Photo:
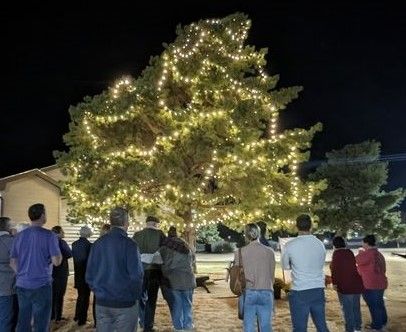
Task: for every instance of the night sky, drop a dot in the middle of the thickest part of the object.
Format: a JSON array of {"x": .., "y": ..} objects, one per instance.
[{"x": 350, "y": 58}]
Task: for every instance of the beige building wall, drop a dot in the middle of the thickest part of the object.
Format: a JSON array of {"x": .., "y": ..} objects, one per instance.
[
  {"x": 54, "y": 172},
  {"x": 21, "y": 193}
]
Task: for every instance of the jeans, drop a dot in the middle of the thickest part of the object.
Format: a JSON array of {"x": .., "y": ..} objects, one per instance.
[
  {"x": 150, "y": 287},
  {"x": 182, "y": 309},
  {"x": 35, "y": 303},
  {"x": 350, "y": 304},
  {"x": 305, "y": 302},
  {"x": 82, "y": 304},
  {"x": 58, "y": 293},
  {"x": 258, "y": 304},
  {"x": 8, "y": 313},
  {"x": 376, "y": 306},
  {"x": 117, "y": 319}
]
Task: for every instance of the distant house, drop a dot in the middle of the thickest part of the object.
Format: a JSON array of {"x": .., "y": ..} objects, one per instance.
[{"x": 21, "y": 190}]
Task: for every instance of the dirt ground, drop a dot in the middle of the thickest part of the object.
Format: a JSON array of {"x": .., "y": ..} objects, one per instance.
[{"x": 217, "y": 311}]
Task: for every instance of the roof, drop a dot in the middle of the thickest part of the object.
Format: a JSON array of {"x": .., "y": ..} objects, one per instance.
[{"x": 33, "y": 172}]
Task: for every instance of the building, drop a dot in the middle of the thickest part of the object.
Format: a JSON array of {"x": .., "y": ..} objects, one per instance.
[{"x": 19, "y": 191}]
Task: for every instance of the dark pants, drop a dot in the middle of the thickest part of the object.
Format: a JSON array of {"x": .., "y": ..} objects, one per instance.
[
  {"x": 58, "y": 292},
  {"x": 150, "y": 287},
  {"x": 305, "y": 302},
  {"x": 8, "y": 313},
  {"x": 350, "y": 304},
  {"x": 36, "y": 304},
  {"x": 82, "y": 304},
  {"x": 376, "y": 306}
]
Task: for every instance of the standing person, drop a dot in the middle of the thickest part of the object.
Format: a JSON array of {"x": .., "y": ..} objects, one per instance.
[
  {"x": 80, "y": 253},
  {"x": 262, "y": 239},
  {"x": 348, "y": 284},
  {"x": 177, "y": 268},
  {"x": 305, "y": 257},
  {"x": 33, "y": 253},
  {"x": 149, "y": 241},
  {"x": 8, "y": 297},
  {"x": 258, "y": 262},
  {"x": 60, "y": 276},
  {"x": 372, "y": 268},
  {"x": 114, "y": 273}
]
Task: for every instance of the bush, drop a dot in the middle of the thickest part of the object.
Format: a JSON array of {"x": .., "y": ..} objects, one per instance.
[{"x": 223, "y": 247}]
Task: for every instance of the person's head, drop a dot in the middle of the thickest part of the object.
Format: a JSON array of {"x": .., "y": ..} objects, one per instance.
[
  {"x": 172, "y": 232},
  {"x": 303, "y": 223},
  {"x": 262, "y": 226},
  {"x": 119, "y": 218},
  {"x": 58, "y": 231},
  {"x": 85, "y": 231},
  {"x": 369, "y": 241},
  {"x": 5, "y": 224},
  {"x": 339, "y": 242},
  {"x": 104, "y": 229},
  {"x": 152, "y": 221},
  {"x": 37, "y": 213},
  {"x": 252, "y": 232}
]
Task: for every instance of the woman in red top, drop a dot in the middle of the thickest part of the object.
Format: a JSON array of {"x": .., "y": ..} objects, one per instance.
[
  {"x": 348, "y": 284},
  {"x": 372, "y": 268}
]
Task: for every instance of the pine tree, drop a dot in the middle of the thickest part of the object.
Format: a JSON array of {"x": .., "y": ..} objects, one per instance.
[
  {"x": 194, "y": 138},
  {"x": 354, "y": 199}
]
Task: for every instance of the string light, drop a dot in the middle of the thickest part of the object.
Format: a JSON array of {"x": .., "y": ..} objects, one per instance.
[{"x": 172, "y": 110}]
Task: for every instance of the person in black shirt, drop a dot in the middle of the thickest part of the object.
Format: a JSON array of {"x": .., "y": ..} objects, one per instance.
[
  {"x": 60, "y": 276},
  {"x": 80, "y": 252}
]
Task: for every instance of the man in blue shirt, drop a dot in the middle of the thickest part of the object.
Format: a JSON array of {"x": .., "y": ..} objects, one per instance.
[
  {"x": 8, "y": 297},
  {"x": 33, "y": 253},
  {"x": 115, "y": 274}
]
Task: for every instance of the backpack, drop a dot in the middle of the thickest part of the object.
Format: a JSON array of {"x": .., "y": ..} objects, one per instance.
[{"x": 237, "y": 276}]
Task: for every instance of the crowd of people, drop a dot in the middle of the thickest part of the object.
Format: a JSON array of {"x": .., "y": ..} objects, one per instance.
[
  {"x": 305, "y": 256},
  {"x": 126, "y": 274}
]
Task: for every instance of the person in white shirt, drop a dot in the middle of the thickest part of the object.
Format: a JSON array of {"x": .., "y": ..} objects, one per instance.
[{"x": 305, "y": 257}]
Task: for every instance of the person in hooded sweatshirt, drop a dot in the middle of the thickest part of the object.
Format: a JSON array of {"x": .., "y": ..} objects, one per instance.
[{"x": 177, "y": 269}]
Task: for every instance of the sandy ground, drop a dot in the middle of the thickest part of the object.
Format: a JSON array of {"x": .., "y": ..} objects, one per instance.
[{"x": 217, "y": 311}]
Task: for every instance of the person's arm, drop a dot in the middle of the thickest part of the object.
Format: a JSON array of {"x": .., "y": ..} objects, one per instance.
[
  {"x": 14, "y": 255},
  {"x": 285, "y": 260},
  {"x": 134, "y": 266},
  {"x": 91, "y": 266},
  {"x": 13, "y": 264},
  {"x": 333, "y": 269},
  {"x": 54, "y": 250},
  {"x": 65, "y": 250},
  {"x": 273, "y": 264}
]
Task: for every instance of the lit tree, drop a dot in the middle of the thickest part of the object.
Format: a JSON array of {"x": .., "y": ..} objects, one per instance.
[
  {"x": 194, "y": 139},
  {"x": 354, "y": 199}
]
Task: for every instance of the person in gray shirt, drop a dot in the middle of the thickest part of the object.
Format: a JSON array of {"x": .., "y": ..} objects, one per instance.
[
  {"x": 8, "y": 297},
  {"x": 305, "y": 257}
]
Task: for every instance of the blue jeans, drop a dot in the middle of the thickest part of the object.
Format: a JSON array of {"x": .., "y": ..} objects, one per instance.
[
  {"x": 376, "y": 306},
  {"x": 8, "y": 313},
  {"x": 117, "y": 319},
  {"x": 305, "y": 302},
  {"x": 350, "y": 304},
  {"x": 258, "y": 305},
  {"x": 182, "y": 309},
  {"x": 35, "y": 303}
]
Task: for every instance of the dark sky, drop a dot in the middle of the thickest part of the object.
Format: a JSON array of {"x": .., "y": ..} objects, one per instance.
[{"x": 350, "y": 58}]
